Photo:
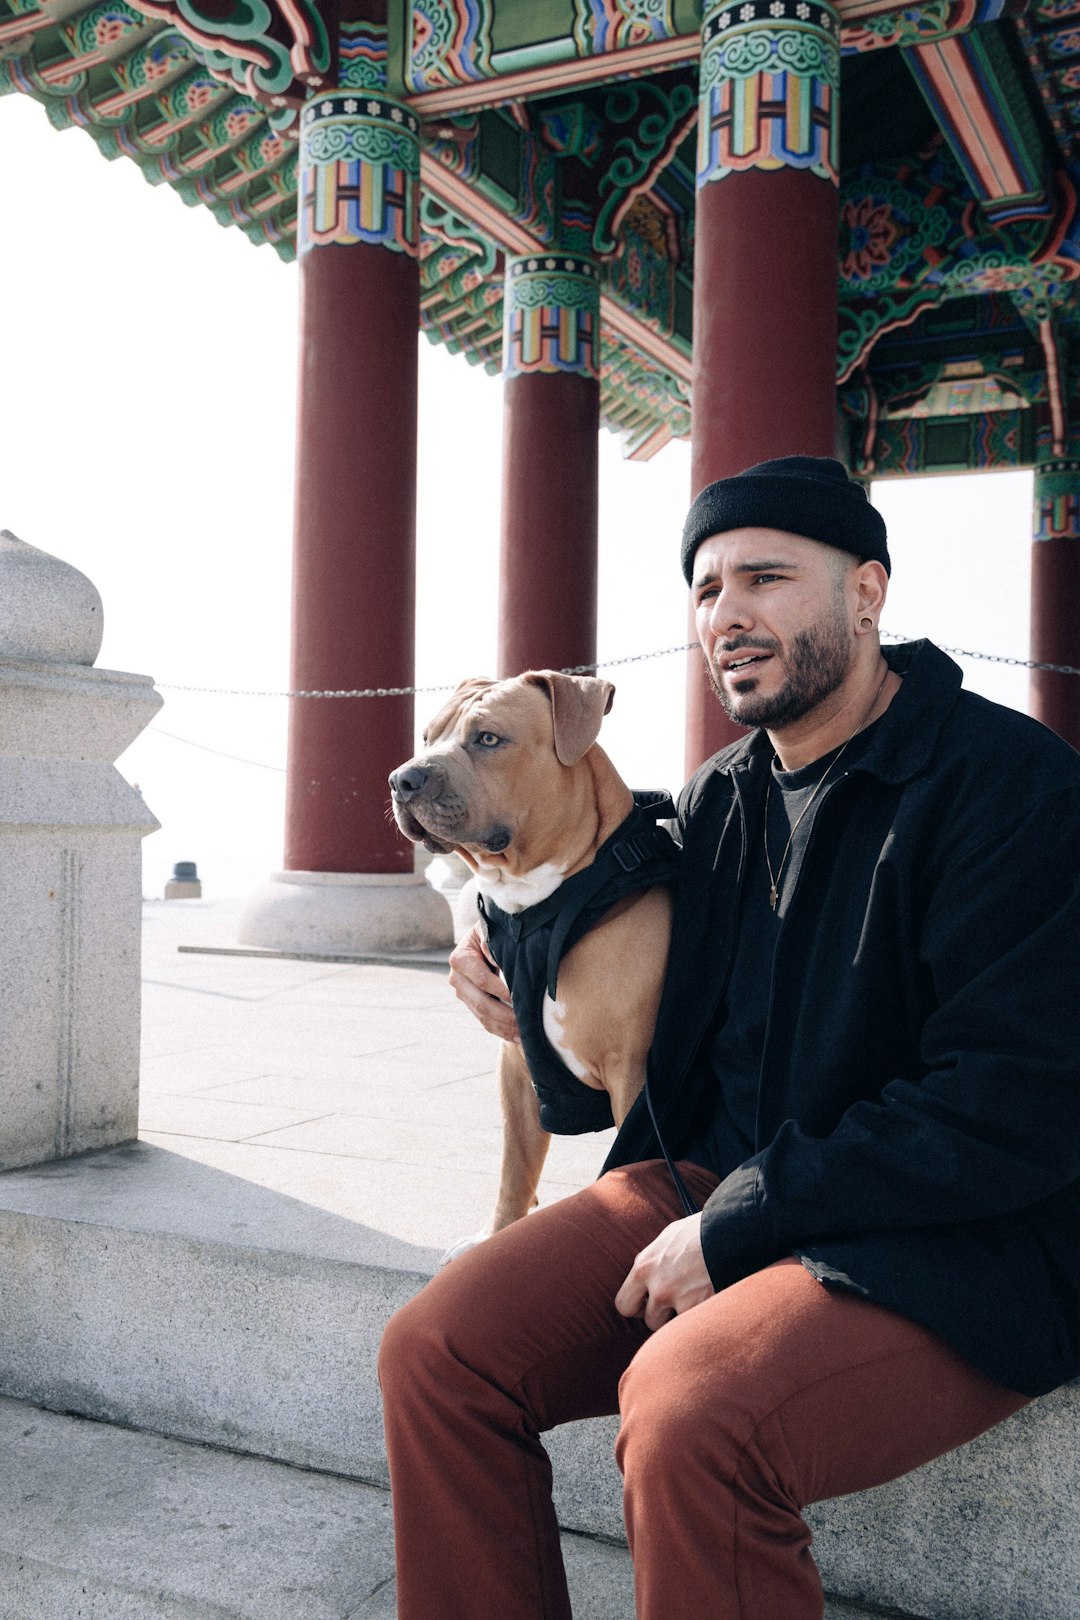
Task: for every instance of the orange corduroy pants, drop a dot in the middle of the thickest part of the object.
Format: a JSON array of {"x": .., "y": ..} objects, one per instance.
[{"x": 774, "y": 1393}]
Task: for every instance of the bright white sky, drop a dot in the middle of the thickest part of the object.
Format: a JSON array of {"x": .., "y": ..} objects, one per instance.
[{"x": 146, "y": 436}]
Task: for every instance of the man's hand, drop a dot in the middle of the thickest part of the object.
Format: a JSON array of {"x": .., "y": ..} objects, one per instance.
[
  {"x": 477, "y": 982},
  {"x": 669, "y": 1277}
]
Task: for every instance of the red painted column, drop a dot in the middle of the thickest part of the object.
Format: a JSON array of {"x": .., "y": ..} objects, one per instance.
[
  {"x": 547, "y": 579},
  {"x": 1055, "y": 598},
  {"x": 354, "y": 564},
  {"x": 765, "y": 261}
]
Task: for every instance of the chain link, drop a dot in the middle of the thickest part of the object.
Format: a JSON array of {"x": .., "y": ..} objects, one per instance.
[
  {"x": 995, "y": 658},
  {"x": 574, "y": 669},
  {"x": 587, "y": 669},
  {"x": 417, "y": 691}
]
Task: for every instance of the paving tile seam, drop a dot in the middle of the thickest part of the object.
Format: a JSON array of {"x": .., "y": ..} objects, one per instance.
[
  {"x": 337, "y": 1111},
  {"x": 176, "y": 1052},
  {"x": 323, "y": 1153},
  {"x": 235, "y": 1102},
  {"x": 240, "y": 1141},
  {"x": 456, "y": 1128},
  {"x": 480, "y": 1074},
  {"x": 378, "y": 1051},
  {"x": 236, "y": 1080},
  {"x": 360, "y": 1115},
  {"x": 310, "y": 979},
  {"x": 201, "y": 990},
  {"x": 553, "y": 1177},
  {"x": 290, "y": 1077}
]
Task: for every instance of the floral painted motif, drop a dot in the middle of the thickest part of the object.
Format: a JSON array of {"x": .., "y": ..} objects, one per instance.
[{"x": 868, "y": 238}]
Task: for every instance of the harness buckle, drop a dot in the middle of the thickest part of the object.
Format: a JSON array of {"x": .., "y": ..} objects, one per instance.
[{"x": 631, "y": 853}]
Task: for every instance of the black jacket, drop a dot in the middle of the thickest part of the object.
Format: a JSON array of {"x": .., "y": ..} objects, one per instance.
[{"x": 918, "y": 1122}]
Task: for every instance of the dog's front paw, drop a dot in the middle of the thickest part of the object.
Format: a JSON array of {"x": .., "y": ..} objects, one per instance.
[
  {"x": 463, "y": 1245},
  {"x": 502, "y": 1217}
]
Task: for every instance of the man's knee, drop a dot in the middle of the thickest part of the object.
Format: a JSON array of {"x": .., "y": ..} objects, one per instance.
[
  {"x": 413, "y": 1349},
  {"x": 446, "y": 1325},
  {"x": 664, "y": 1424}
]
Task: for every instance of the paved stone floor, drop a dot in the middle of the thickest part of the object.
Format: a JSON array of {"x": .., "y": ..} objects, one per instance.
[{"x": 363, "y": 1089}]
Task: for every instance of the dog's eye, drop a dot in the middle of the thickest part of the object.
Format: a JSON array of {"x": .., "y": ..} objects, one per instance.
[{"x": 487, "y": 739}]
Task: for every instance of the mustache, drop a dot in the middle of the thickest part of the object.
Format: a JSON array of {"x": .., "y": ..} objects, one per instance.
[{"x": 746, "y": 644}]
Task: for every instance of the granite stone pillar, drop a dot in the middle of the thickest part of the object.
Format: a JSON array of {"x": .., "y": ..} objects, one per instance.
[{"x": 70, "y": 868}]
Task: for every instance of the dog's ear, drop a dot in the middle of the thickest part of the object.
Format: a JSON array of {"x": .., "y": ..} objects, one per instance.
[
  {"x": 578, "y": 704},
  {"x": 452, "y": 708}
]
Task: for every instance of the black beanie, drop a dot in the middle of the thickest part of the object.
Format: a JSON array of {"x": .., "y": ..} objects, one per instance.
[{"x": 806, "y": 495}]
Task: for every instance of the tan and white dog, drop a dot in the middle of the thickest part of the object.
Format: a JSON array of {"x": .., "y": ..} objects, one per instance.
[{"x": 512, "y": 778}]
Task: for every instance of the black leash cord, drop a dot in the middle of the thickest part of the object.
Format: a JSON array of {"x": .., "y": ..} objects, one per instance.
[{"x": 680, "y": 1186}]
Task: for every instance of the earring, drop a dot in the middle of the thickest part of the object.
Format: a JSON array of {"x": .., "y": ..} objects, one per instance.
[{"x": 866, "y": 622}]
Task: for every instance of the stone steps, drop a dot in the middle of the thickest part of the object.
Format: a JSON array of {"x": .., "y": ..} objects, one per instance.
[
  {"x": 103, "y": 1523},
  {"x": 142, "y": 1288}
]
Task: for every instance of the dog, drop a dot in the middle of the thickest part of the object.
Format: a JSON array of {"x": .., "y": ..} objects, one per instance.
[{"x": 574, "y": 878}]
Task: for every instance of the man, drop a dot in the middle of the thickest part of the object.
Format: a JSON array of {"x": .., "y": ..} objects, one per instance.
[{"x": 867, "y": 1067}]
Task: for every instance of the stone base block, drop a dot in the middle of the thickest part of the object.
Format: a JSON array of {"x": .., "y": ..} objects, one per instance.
[
  {"x": 346, "y": 911},
  {"x": 69, "y": 953},
  {"x": 183, "y": 889}
]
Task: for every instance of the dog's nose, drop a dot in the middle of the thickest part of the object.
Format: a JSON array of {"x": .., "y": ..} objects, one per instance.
[{"x": 408, "y": 781}]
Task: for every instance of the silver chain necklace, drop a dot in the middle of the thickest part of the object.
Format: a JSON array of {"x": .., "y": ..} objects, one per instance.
[{"x": 774, "y": 877}]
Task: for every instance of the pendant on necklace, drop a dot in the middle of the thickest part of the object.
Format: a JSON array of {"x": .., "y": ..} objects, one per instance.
[{"x": 772, "y": 897}]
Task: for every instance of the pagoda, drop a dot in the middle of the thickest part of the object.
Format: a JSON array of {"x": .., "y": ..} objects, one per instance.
[{"x": 834, "y": 227}]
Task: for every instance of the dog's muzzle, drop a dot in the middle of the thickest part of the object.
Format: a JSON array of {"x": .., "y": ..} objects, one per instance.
[{"x": 407, "y": 782}]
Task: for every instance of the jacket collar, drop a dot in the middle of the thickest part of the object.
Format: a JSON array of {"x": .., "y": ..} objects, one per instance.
[{"x": 907, "y": 733}]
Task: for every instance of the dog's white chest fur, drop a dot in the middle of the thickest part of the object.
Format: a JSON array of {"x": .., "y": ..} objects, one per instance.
[
  {"x": 515, "y": 894},
  {"x": 553, "y": 1014}
]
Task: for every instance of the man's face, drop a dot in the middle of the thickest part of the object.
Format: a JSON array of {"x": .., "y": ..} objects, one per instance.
[{"x": 774, "y": 623}]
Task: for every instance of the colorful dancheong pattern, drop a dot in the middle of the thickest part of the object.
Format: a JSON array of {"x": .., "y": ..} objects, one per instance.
[
  {"x": 359, "y": 173},
  {"x": 449, "y": 43},
  {"x": 551, "y": 315},
  {"x": 769, "y": 88},
  {"x": 1057, "y": 503},
  {"x": 362, "y": 56},
  {"x": 613, "y": 25}
]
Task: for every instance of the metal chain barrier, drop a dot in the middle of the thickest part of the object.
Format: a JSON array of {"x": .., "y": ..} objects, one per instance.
[
  {"x": 995, "y": 658},
  {"x": 587, "y": 669},
  {"x": 574, "y": 669}
]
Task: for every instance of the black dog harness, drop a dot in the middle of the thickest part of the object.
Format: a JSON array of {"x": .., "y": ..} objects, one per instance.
[{"x": 529, "y": 945}]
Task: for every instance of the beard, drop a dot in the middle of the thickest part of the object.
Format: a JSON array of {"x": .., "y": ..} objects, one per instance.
[{"x": 817, "y": 659}]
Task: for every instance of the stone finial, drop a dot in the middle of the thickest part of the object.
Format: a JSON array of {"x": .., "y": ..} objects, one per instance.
[{"x": 49, "y": 612}]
